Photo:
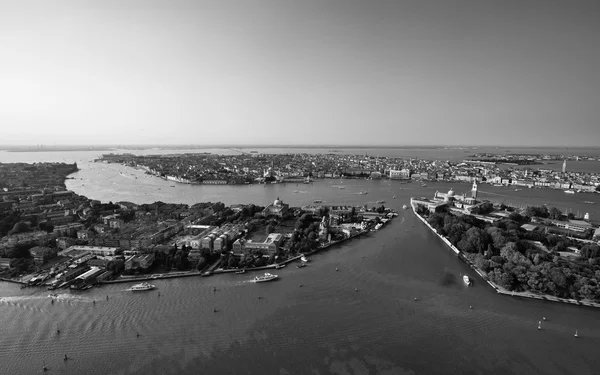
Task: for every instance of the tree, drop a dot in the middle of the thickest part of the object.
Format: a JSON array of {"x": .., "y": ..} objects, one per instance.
[
  {"x": 514, "y": 216},
  {"x": 554, "y": 213},
  {"x": 20, "y": 227},
  {"x": 233, "y": 262}
]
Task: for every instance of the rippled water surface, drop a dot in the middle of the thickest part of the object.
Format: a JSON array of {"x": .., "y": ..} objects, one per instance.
[{"x": 362, "y": 319}]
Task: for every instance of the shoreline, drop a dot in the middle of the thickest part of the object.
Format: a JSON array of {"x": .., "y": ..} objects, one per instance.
[
  {"x": 496, "y": 287},
  {"x": 222, "y": 271}
]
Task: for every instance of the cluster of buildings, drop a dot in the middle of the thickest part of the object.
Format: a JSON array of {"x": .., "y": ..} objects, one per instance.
[
  {"x": 467, "y": 204},
  {"x": 252, "y": 168}
]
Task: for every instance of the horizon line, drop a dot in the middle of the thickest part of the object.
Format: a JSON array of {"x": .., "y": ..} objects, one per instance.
[{"x": 324, "y": 145}]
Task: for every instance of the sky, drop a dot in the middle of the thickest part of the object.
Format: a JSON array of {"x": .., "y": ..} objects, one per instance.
[{"x": 279, "y": 72}]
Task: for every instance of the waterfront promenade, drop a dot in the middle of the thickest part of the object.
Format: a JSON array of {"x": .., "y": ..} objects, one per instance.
[{"x": 499, "y": 289}]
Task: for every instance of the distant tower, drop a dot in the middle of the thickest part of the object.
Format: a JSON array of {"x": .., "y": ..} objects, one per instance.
[
  {"x": 474, "y": 190},
  {"x": 564, "y": 168}
]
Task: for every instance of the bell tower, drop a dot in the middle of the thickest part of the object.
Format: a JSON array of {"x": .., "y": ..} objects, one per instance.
[{"x": 474, "y": 190}]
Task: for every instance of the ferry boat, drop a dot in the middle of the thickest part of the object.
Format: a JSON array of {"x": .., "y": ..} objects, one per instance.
[
  {"x": 266, "y": 277},
  {"x": 467, "y": 280},
  {"x": 141, "y": 287},
  {"x": 570, "y": 191}
]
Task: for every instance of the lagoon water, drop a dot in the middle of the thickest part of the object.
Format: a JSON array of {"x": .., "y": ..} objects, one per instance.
[{"x": 323, "y": 327}]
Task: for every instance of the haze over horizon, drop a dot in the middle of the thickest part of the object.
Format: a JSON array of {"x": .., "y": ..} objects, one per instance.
[{"x": 280, "y": 72}]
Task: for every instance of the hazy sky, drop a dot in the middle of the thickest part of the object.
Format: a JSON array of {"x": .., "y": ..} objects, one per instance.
[{"x": 300, "y": 72}]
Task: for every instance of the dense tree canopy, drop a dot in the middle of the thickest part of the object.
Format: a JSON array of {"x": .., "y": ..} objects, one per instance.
[{"x": 520, "y": 260}]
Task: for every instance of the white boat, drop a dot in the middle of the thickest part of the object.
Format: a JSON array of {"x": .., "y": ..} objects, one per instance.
[
  {"x": 279, "y": 266},
  {"x": 570, "y": 191},
  {"x": 141, "y": 287},
  {"x": 304, "y": 259},
  {"x": 576, "y": 335},
  {"x": 467, "y": 280},
  {"x": 241, "y": 271},
  {"x": 266, "y": 277},
  {"x": 404, "y": 206}
]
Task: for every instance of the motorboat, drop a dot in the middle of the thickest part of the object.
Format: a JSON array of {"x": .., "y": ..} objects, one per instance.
[
  {"x": 467, "y": 280},
  {"x": 267, "y": 277},
  {"x": 141, "y": 287}
]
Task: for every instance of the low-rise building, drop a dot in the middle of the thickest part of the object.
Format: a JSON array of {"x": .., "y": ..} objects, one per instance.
[
  {"x": 94, "y": 250},
  {"x": 139, "y": 262},
  {"x": 269, "y": 246}
]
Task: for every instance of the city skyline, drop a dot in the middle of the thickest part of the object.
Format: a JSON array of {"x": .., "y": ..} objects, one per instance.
[{"x": 296, "y": 73}]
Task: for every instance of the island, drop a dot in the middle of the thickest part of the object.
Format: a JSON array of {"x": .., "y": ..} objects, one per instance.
[
  {"x": 52, "y": 237},
  {"x": 536, "y": 252},
  {"x": 251, "y": 168}
]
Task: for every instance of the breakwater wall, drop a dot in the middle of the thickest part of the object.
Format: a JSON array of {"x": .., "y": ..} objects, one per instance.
[{"x": 496, "y": 287}]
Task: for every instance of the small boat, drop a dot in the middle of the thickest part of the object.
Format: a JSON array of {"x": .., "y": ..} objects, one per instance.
[
  {"x": 404, "y": 207},
  {"x": 467, "y": 280},
  {"x": 589, "y": 202},
  {"x": 570, "y": 191},
  {"x": 267, "y": 277},
  {"x": 304, "y": 259},
  {"x": 540, "y": 324},
  {"x": 380, "y": 202},
  {"x": 279, "y": 266},
  {"x": 240, "y": 271},
  {"x": 576, "y": 334},
  {"x": 301, "y": 265},
  {"x": 141, "y": 287},
  {"x": 317, "y": 201},
  {"x": 394, "y": 197}
]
